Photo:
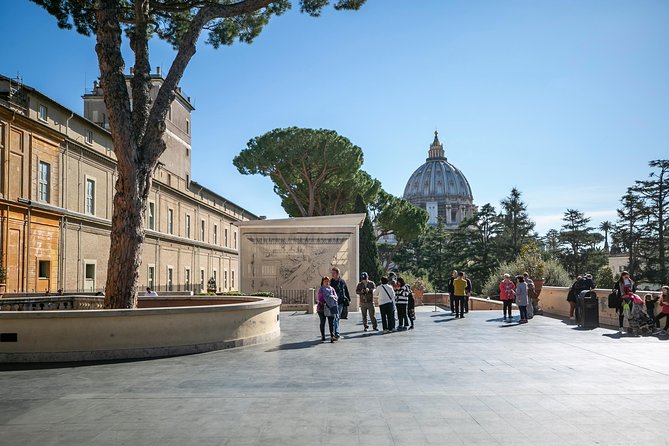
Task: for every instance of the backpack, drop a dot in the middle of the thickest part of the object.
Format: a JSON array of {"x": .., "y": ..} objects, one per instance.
[{"x": 614, "y": 300}]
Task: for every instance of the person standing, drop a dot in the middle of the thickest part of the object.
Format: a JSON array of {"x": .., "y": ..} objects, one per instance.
[
  {"x": 531, "y": 291},
  {"x": 664, "y": 311},
  {"x": 150, "y": 292},
  {"x": 365, "y": 290},
  {"x": 411, "y": 310},
  {"x": 507, "y": 292},
  {"x": 451, "y": 296},
  {"x": 327, "y": 307},
  {"x": 468, "y": 292},
  {"x": 522, "y": 298},
  {"x": 459, "y": 293},
  {"x": 386, "y": 296},
  {"x": 625, "y": 281},
  {"x": 402, "y": 302},
  {"x": 343, "y": 296}
]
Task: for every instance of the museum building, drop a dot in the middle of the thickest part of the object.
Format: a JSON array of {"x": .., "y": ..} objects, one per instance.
[{"x": 56, "y": 189}]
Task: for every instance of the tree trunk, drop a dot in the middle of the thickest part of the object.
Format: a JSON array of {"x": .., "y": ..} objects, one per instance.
[{"x": 127, "y": 236}]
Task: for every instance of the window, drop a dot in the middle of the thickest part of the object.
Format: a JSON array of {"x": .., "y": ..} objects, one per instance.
[
  {"x": 187, "y": 152},
  {"x": 89, "y": 137},
  {"x": 169, "y": 113},
  {"x": 232, "y": 279},
  {"x": 44, "y": 182},
  {"x": 150, "y": 282},
  {"x": 187, "y": 279},
  {"x": 202, "y": 279},
  {"x": 44, "y": 269},
  {"x": 170, "y": 221},
  {"x": 42, "y": 113},
  {"x": 225, "y": 279},
  {"x": 234, "y": 239},
  {"x": 170, "y": 276},
  {"x": 152, "y": 215},
  {"x": 187, "y": 226},
  {"x": 215, "y": 277},
  {"x": 187, "y": 127},
  {"x": 225, "y": 238},
  {"x": 215, "y": 234},
  {"x": 202, "y": 230},
  {"x": 90, "y": 197},
  {"x": 454, "y": 215}
]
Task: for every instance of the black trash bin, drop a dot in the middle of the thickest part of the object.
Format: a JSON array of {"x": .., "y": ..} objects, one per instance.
[{"x": 587, "y": 309}]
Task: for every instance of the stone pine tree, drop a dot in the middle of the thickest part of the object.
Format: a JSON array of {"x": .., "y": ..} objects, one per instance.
[
  {"x": 314, "y": 171},
  {"x": 137, "y": 121},
  {"x": 369, "y": 253}
]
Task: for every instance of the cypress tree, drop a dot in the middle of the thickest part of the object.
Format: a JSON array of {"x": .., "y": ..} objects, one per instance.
[{"x": 368, "y": 256}]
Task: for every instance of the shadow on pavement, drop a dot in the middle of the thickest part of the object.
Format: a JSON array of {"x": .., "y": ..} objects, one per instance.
[{"x": 296, "y": 345}]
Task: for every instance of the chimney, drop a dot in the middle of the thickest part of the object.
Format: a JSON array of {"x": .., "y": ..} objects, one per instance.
[{"x": 158, "y": 71}]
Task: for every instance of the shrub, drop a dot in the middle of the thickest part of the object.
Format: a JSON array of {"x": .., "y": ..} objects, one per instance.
[
  {"x": 554, "y": 275},
  {"x": 604, "y": 277},
  {"x": 416, "y": 281}
]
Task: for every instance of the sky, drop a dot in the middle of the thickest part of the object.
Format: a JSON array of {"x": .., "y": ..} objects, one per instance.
[{"x": 565, "y": 100}]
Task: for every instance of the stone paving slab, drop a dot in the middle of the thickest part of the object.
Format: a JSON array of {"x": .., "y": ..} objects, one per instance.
[{"x": 467, "y": 381}]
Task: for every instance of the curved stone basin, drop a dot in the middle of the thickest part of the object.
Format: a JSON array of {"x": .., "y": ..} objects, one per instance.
[{"x": 187, "y": 326}]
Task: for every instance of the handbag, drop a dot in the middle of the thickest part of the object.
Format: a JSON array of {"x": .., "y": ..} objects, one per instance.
[{"x": 614, "y": 300}]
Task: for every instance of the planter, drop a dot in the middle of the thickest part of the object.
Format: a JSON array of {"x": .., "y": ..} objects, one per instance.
[{"x": 418, "y": 296}]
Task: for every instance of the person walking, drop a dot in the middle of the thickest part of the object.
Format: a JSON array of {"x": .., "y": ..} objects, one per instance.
[
  {"x": 386, "y": 297},
  {"x": 531, "y": 293},
  {"x": 365, "y": 290},
  {"x": 327, "y": 307},
  {"x": 664, "y": 311},
  {"x": 507, "y": 293},
  {"x": 522, "y": 298},
  {"x": 402, "y": 303},
  {"x": 459, "y": 293},
  {"x": 343, "y": 296}
]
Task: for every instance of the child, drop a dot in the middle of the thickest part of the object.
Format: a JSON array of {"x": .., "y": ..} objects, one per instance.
[{"x": 664, "y": 310}]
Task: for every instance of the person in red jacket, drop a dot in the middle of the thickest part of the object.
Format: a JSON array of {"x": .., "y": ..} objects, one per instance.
[{"x": 507, "y": 294}]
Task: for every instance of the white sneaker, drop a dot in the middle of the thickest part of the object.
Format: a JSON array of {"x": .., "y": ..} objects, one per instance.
[{"x": 620, "y": 330}]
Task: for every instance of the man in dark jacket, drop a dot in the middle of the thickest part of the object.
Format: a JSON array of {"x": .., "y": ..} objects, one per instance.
[
  {"x": 343, "y": 296},
  {"x": 451, "y": 295}
]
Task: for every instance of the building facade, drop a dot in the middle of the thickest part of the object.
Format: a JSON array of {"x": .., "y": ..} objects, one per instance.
[{"x": 56, "y": 189}]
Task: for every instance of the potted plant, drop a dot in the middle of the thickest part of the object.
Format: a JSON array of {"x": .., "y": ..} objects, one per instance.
[{"x": 418, "y": 289}]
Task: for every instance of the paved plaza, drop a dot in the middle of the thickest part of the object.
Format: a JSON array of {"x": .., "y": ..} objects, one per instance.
[{"x": 450, "y": 381}]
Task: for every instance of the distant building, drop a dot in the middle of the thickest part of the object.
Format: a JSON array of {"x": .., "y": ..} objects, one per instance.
[
  {"x": 441, "y": 189},
  {"x": 56, "y": 189}
]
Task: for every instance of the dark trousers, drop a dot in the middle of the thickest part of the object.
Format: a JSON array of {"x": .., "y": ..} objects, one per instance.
[
  {"x": 451, "y": 298},
  {"x": 387, "y": 316},
  {"x": 650, "y": 309},
  {"x": 402, "y": 315},
  {"x": 465, "y": 301},
  {"x": 508, "y": 305},
  {"x": 523, "y": 312},
  {"x": 666, "y": 323},
  {"x": 459, "y": 305},
  {"x": 330, "y": 319}
]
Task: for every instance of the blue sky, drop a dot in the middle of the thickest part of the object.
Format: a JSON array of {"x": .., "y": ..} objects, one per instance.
[{"x": 565, "y": 100}]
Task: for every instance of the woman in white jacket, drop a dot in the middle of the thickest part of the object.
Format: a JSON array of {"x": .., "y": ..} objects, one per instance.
[{"x": 386, "y": 296}]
